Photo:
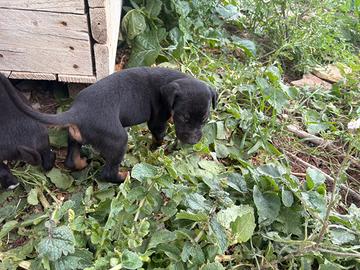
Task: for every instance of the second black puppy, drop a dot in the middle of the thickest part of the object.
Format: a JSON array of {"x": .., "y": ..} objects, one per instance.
[
  {"x": 21, "y": 137},
  {"x": 101, "y": 112}
]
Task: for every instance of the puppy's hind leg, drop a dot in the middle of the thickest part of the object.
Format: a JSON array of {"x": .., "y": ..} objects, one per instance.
[
  {"x": 7, "y": 180},
  {"x": 73, "y": 159},
  {"x": 113, "y": 150}
]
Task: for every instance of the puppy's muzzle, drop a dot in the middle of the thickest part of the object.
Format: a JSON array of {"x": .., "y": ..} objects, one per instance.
[{"x": 189, "y": 137}]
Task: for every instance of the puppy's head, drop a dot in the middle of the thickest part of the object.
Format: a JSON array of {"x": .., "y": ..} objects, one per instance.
[{"x": 190, "y": 101}]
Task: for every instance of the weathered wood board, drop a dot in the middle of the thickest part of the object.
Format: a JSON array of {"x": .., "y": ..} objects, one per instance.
[
  {"x": 32, "y": 76},
  {"x": 69, "y": 40},
  {"x": 5, "y": 72},
  {"x": 44, "y": 42},
  {"x": 63, "y": 6},
  {"x": 105, "y": 23}
]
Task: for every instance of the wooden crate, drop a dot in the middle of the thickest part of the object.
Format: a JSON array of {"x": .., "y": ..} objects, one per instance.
[{"x": 65, "y": 40}]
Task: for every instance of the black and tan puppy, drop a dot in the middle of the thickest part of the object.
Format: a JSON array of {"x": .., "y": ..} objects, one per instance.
[
  {"x": 101, "y": 112},
  {"x": 21, "y": 137}
]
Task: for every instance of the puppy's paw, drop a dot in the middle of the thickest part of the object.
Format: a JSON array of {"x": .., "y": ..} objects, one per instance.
[
  {"x": 122, "y": 176},
  {"x": 155, "y": 144},
  {"x": 13, "y": 186},
  {"x": 80, "y": 163}
]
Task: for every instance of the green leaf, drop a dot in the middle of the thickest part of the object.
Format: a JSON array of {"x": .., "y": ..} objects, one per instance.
[
  {"x": 197, "y": 202},
  {"x": 153, "y": 7},
  {"x": 211, "y": 166},
  {"x": 268, "y": 206},
  {"x": 237, "y": 182},
  {"x": 240, "y": 219},
  {"x": 228, "y": 12},
  {"x": 199, "y": 217},
  {"x": 60, "y": 179},
  {"x": 220, "y": 236},
  {"x": 287, "y": 197},
  {"x": 314, "y": 178},
  {"x": 330, "y": 266},
  {"x": 243, "y": 227},
  {"x": 340, "y": 236},
  {"x": 315, "y": 201},
  {"x": 291, "y": 220},
  {"x": 277, "y": 98},
  {"x": 143, "y": 171},
  {"x": 221, "y": 150},
  {"x": 160, "y": 237},
  {"x": 133, "y": 23},
  {"x": 314, "y": 123},
  {"x": 192, "y": 252},
  {"x": 220, "y": 131},
  {"x": 32, "y": 197},
  {"x": 7, "y": 227},
  {"x": 246, "y": 45},
  {"x": 58, "y": 137},
  {"x": 212, "y": 266},
  {"x": 145, "y": 50},
  {"x": 177, "y": 37},
  {"x": 79, "y": 260},
  {"x": 130, "y": 260},
  {"x": 59, "y": 242},
  {"x": 272, "y": 170},
  {"x": 273, "y": 73}
]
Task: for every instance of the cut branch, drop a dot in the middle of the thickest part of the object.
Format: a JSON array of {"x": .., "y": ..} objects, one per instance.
[
  {"x": 329, "y": 145},
  {"x": 328, "y": 177}
]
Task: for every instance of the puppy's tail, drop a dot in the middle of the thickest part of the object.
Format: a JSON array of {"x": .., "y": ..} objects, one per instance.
[{"x": 51, "y": 119}]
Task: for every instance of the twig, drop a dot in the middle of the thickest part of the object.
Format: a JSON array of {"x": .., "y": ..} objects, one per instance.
[
  {"x": 340, "y": 254},
  {"x": 298, "y": 174},
  {"x": 328, "y": 177},
  {"x": 329, "y": 145},
  {"x": 332, "y": 198},
  {"x": 44, "y": 202}
]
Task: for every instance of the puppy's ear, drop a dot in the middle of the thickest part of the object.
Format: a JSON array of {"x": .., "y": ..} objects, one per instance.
[
  {"x": 29, "y": 155},
  {"x": 169, "y": 92},
  {"x": 214, "y": 97}
]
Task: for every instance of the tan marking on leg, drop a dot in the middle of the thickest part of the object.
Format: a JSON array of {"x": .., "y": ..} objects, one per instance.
[
  {"x": 80, "y": 163},
  {"x": 75, "y": 133},
  {"x": 156, "y": 142},
  {"x": 123, "y": 175}
]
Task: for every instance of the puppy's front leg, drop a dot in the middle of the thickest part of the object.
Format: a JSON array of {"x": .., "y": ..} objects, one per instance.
[
  {"x": 7, "y": 180},
  {"x": 158, "y": 131}
]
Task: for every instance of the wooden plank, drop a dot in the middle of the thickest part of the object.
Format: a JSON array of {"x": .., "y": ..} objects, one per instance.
[
  {"x": 101, "y": 52},
  {"x": 63, "y": 6},
  {"x": 5, "y": 72},
  {"x": 113, "y": 31},
  {"x": 105, "y": 23},
  {"x": 76, "y": 79},
  {"x": 98, "y": 3},
  {"x": 44, "y": 42},
  {"x": 98, "y": 24},
  {"x": 32, "y": 76}
]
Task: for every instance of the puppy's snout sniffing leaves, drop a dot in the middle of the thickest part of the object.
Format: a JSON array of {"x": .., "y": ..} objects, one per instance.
[{"x": 101, "y": 113}]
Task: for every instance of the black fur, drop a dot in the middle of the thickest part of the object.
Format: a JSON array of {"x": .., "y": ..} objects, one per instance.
[
  {"x": 21, "y": 137},
  {"x": 130, "y": 97}
]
